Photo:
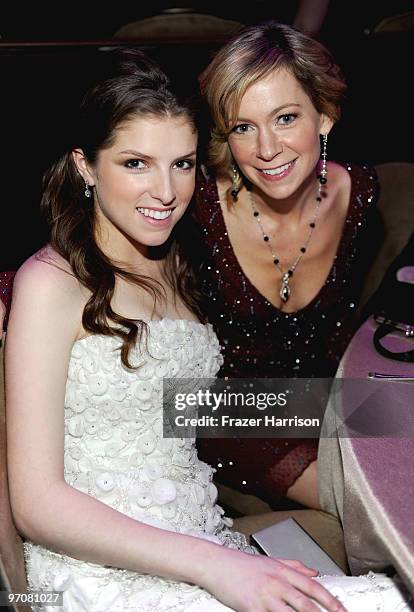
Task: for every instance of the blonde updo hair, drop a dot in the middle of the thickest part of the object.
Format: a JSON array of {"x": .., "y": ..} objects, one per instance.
[{"x": 252, "y": 55}]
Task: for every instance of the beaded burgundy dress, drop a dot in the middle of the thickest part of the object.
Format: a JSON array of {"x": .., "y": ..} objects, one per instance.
[{"x": 260, "y": 341}]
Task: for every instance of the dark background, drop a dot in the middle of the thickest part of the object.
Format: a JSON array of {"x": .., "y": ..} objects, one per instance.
[{"x": 46, "y": 57}]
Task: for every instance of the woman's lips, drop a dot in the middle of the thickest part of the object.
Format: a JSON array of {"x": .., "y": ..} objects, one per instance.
[
  {"x": 278, "y": 173},
  {"x": 150, "y": 216}
]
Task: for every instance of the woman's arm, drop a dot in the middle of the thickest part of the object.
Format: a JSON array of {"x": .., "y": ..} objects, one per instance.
[{"x": 45, "y": 321}]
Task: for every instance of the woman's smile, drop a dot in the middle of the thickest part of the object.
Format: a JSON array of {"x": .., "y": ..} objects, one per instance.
[
  {"x": 278, "y": 173},
  {"x": 156, "y": 217}
]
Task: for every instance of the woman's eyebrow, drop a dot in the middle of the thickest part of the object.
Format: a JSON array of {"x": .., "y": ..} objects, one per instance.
[
  {"x": 145, "y": 156},
  {"x": 273, "y": 111},
  {"x": 136, "y": 153}
]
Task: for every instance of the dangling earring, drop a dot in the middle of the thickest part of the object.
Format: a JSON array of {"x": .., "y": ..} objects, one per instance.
[
  {"x": 322, "y": 176},
  {"x": 235, "y": 183},
  {"x": 88, "y": 190}
]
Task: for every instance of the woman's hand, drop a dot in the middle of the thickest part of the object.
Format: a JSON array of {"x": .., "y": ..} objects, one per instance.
[{"x": 250, "y": 583}]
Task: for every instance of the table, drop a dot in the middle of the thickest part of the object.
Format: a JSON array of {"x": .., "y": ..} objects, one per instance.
[{"x": 368, "y": 482}]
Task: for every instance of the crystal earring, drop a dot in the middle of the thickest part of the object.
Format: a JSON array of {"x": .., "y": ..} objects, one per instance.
[
  {"x": 88, "y": 190},
  {"x": 322, "y": 176},
  {"x": 235, "y": 183}
]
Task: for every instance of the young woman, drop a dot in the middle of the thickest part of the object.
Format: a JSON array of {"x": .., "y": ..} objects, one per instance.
[
  {"x": 114, "y": 515},
  {"x": 282, "y": 229}
]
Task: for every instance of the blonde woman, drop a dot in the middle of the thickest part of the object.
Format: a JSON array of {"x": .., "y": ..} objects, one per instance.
[{"x": 282, "y": 231}]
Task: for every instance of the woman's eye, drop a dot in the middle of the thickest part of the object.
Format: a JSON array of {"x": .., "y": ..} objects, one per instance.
[
  {"x": 242, "y": 128},
  {"x": 287, "y": 118},
  {"x": 184, "y": 164},
  {"x": 135, "y": 164}
]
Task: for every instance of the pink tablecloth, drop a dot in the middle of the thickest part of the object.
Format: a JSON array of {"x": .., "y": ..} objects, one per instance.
[{"x": 369, "y": 481}]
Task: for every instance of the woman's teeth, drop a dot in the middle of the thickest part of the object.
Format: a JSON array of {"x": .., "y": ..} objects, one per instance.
[
  {"x": 155, "y": 214},
  {"x": 279, "y": 170}
]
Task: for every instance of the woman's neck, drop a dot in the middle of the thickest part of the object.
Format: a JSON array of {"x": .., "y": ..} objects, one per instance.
[
  {"x": 127, "y": 253},
  {"x": 291, "y": 208}
]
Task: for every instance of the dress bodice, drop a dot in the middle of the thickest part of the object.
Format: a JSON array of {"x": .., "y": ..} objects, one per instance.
[{"x": 114, "y": 444}]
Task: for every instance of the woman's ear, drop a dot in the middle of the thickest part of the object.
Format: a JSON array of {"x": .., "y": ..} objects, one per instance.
[
  {"x": 83, "y": 167},
  {"x": 326, "y": 124}
]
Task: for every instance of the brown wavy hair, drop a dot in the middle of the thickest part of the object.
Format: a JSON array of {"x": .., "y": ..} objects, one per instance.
[
  {"x": 253, "y": 54},
  {"x": 128, "y": 84}
]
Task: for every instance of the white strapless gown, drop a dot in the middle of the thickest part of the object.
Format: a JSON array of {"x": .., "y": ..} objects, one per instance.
[{"x": 115, "y": 451}]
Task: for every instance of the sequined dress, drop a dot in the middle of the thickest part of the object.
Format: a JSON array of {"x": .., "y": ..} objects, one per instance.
[
  {"x": 260, "y": 341},
  {"x": 115, "y": 451}
]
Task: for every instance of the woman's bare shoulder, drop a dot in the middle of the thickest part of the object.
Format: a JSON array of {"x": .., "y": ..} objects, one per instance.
[
  {"x": 49, "y": 274},
  {"x": 339, "y": 187},
  {"x": 45, "y": 262},
  {"x": 338, "y": 176}
]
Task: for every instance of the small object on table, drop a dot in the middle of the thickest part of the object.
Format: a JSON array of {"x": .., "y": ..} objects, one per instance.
[
  {"x": 289, "y": 540},
  {"x": 393, "y": 377}
]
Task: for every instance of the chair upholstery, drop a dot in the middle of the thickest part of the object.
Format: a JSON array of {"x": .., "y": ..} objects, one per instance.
[
  {"x": 403, "y": 22},
  {"x": 5, "y": 586},
  {"x": 179, "y": 24},
  {"x": 11, "y": 549},
  {"x": 396, "y": 180}
]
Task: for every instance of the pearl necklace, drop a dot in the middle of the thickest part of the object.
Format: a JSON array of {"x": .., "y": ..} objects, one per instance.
[{"x": 285, "y": 290}]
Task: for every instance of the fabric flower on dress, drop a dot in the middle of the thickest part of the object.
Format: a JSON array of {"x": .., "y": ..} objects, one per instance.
[
  {"x": 153, "y": 469},
  {"x": 143, "y": 391},
  {"x": 98, "y": 384},
  {"x": 105, "y": 482},
  {"x": 146, "y": 443},
  {"x": 104, "y": 432},
  {"x": 75, "y": 426},
  {"x": 146, "y": 371},
  {"x": 119, "y": 391},
  {"x": 163, "y": 491},
  {"x": 141, "y": 494}
]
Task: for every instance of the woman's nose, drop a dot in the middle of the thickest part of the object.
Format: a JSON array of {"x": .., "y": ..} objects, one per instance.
[
  {"x": 268, "y": 146},
  {"x": 163, "y": 189}
]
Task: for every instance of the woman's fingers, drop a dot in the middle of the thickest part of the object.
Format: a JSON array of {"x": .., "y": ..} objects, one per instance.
[
  {"x": 312, "y": 588},
  {"x": 299, "y": 567},
  {"x": 305, "y": 588},
  {"x": 299, "y": 601},
  {"x": 278, "y": 606}
]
